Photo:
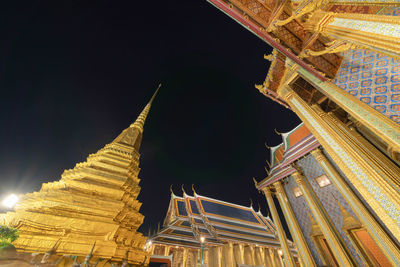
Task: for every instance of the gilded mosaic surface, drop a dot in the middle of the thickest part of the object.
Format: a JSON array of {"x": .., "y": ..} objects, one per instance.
[
  {"x": 325, "y": 194},
  {"x": 373, "y": 78}
]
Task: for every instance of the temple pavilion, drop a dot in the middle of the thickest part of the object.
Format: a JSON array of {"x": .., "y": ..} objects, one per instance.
[{"x": 201, "y": 230}]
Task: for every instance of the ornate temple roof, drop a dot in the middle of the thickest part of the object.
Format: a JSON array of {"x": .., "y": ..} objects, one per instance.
[
  {"x": 295, "y": 144},
  {"x": 191, "y": 217},
  {"x": 274, "y": 77}
]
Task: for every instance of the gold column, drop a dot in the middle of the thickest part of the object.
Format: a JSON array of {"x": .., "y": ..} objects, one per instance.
[
  {"x": 386, "y": 244},
  {"x": 216, "y": 256},
  {"x": 185, "y": 257},
  {"x": 229, "y": 259},
  {"x": 333, "y": 238},
  {"x": 166, "y": 250},
  {"x": 258, "y": 259},
  {"x": 385, "y": 128},
  {"x": 281, "y": 233},
  {"x": 268, "y": 260},
  {"x": 294, "y": 227},
  {"x": 238, "y": 254},
  {"x": 248, "y": 259},
  {"x": 211, "y": 255},
  {"x": 277, "y": 258},
  {"x": 376, "y": 188}
]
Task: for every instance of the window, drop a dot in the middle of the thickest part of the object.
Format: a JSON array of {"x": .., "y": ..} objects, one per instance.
[
  {"x": 297, "y": 192},
  {"x": 323, "y": 181}
]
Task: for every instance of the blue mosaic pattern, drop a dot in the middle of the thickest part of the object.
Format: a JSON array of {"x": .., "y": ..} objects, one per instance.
[
  {"x": 390, "y": 11},
  {"x": 373, "y": 78},
  {"x": 312, "y": 170},
  {"x": 228, "y": 211},
  {"x": 298, "y": 206},
  {"x": 181, "y": 208},
  {"x": 193, "y": 206},
  {"x": 360, "y": 197}
]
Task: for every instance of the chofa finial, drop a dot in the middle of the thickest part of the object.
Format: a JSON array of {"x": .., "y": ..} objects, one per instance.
[
  {"x": 183, "y": 190},
  {"x": 194, "y": 191}
]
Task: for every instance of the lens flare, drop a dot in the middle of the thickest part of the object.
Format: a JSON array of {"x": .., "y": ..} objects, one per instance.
[{"x": 10, "y": 201}]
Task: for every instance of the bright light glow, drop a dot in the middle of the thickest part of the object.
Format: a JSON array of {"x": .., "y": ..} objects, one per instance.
[
  {"x": 280, "y": 252},
  {"x": 10, "y": 201},
  {"x": 297, "y": 192},
  {"x": 323, "y": 181},
  {"x": 202, "y": 239},
  {"x": 150, "y": 243}
]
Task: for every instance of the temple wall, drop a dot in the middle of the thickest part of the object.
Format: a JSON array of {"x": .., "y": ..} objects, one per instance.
[
  {"x": 325, "y": 194},
  {"x": 298, "y": 205},
  {"x": 362, "y": 199},
  {"x": 372, "y": 78}
]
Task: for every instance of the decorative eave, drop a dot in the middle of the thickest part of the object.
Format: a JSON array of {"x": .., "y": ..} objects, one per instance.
[
  {"x": 259, "y": 31},
  {"x": 284, "y": 169},
  {"x": 216, "y": 228}
]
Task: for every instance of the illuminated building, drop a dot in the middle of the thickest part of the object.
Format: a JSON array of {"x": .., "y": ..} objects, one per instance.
[
  {"x": 91, "y": 215},
  {"x": 199, "y": 229},
  {"x": 336, "y": 64}
]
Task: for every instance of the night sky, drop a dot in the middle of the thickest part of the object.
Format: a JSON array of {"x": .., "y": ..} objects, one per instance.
[{"x": 74, "y": 75}]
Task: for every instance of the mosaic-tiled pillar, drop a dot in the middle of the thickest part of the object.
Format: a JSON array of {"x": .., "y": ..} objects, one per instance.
[
  {"x": 382, "y": 126},
  {"x": 294, "y": 227},
  {"x": 281, "y": 233},
  {"x": 376, "y": 32},
  {"x": 375, "y": 190},
  {"x": 338, "y": 247},
  {"x": 386, "y": 244}
]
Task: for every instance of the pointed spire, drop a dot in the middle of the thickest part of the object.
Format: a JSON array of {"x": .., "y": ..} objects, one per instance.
[
  {"x": 133, "y": 135},
  {"x": 139, "y": 123}
]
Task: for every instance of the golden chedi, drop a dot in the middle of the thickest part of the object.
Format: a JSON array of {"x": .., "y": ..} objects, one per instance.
[{"x": 92, "y": 211}]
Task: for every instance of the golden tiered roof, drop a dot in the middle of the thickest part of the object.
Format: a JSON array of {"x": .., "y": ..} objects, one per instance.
[{"x": 92, "y": 205}]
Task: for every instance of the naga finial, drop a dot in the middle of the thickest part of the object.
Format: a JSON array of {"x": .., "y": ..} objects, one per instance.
[
  {"x": 251, "y": 203},
  {"x": 170, "y": 189}
]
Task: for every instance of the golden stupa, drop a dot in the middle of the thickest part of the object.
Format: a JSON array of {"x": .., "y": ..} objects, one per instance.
[{"x": 92, "y": 212}]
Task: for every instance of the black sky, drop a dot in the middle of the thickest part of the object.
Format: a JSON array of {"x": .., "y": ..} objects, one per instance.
[{"x": 74, "y": 74}]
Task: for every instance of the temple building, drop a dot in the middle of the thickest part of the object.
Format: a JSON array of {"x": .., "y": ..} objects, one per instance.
[
  {"x": 336, "y": 64},
  {"x": 200, "y": 230},
  {"x": 91, "y": 215}
]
